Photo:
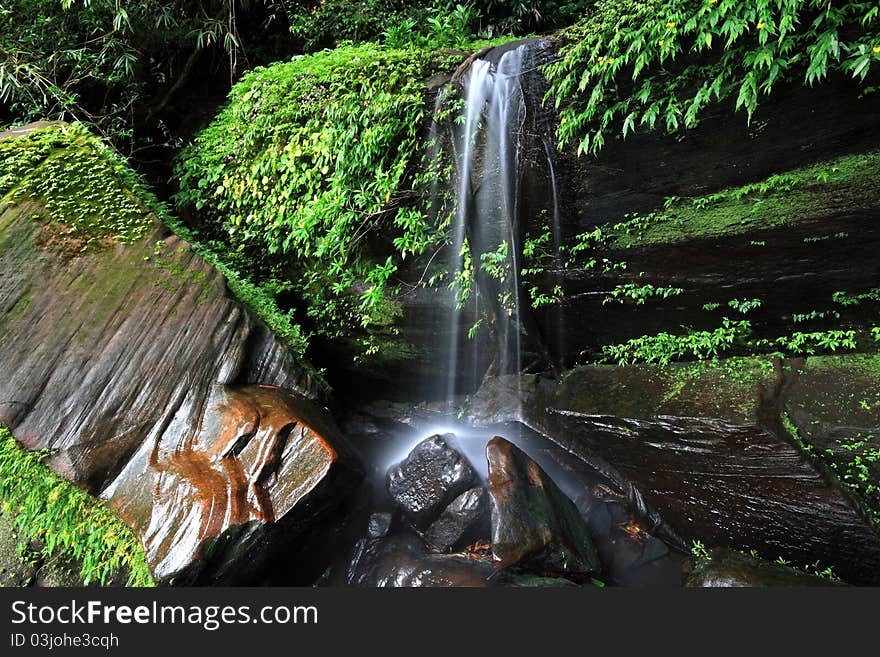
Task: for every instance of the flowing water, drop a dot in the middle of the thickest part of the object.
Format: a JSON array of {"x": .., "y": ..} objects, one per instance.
[
  {"x": 491, "y": 135},
  {"x": 500, "y": 141}
]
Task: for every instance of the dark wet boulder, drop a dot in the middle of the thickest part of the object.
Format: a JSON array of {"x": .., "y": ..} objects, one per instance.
[
  {"x": 404, "y": 561},
  {"x": 533, "y": 523},
  {"x": 379, "y": 524},
  {"x": 459, "y": 521},
  {"x": 725, "y": 568},
  {"x": 428, "y": 479}
]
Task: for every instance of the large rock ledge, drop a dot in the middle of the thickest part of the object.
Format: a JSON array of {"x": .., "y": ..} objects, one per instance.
[
  {"x": 746, "y": 453},
  {"x": 133, "y": 364}
]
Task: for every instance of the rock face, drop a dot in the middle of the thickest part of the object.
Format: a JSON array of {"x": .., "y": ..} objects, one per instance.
[
  {"x": 727, "y": 473},
  {"x": 125, "y": 360},
  {"x": 428, "y": 479},
  {"x": 260, "y": 455},
  {"x": 727, "y": 568},
  {"x": 465, "y": 514},
  {"x": 533, "y": 522}
]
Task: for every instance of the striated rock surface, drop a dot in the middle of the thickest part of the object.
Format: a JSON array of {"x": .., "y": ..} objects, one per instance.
[
  {"x": 727, "y": 473},
  {"x": 123, "y": 359},
  {"x": 533, "y": 522}
]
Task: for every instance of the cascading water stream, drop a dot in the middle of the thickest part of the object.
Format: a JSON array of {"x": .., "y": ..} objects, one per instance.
[{"x": 490, "y": 137}]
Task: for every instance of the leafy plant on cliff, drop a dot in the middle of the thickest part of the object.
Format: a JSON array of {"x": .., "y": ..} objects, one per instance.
[
  {"x": 66, "y": 520},
  {"x": 661, "y": 63},
  {"x": 663, "y": 348},
  {"x": 308, "y": 175}
]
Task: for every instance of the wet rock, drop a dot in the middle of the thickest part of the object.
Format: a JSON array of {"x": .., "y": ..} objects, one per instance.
[
  {"x": 112, "y": 358},
  {"x": 533, "y": 522},
  {"x": 728, "y": 568},
  {"x": 428, "y": 479},
  {"x": 465, "y": 514},
  {"x": 262, "y": 456},
  {"x": 379, "y": 525},
  {"x": 699, "y": 472},
  {"x": 58, "y": 572},
  {"x": 726, "y": 472},
  {"x": 404, "y": 562},
  {"x": 625, "y": 546},
  {"x": 536, "y": 581},
  {"x": 832, "y": 405}
]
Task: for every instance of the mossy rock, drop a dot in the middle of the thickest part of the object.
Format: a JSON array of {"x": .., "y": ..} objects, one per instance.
[{"x": 832, "y": 408}]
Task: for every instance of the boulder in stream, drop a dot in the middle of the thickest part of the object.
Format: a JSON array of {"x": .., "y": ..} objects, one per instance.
[
  {"x": 428, "y": 479},
  {"x": 533, "y": 522},
  {"x": 466, "y": 514}
]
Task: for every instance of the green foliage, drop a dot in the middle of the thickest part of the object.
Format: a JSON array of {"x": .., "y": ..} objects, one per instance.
[
  {"x": 328, "y": 23},
  {"x": 806, "y": 344},
  {"x": 451, "y": 26},
  {"x": 85, "y": 186},
  {"x": 115, "y": 63},
  {"x": 640, "y": 294},
  {"x": 744, "y": 305},
  {"x": 700, "y": 551},
  {"x": 852, "y": 464},
  {"x": 845, "y": 299},
  {"x": 664, "y": 348},
  {"x": 65, "y": 519},
  {"x": 306, "y": 172},
  {"x": 661, "y": 63}
]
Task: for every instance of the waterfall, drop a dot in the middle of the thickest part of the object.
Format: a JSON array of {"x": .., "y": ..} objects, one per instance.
[{"x": 497, "y": 123}]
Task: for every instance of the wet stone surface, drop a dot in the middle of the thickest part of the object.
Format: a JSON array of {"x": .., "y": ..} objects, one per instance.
[
  {"x": 428, "y": 479},
  {"x": 728, "y": 568},
  {"x": 533, "y": 522},
  {"x": 464, "y": 518}
]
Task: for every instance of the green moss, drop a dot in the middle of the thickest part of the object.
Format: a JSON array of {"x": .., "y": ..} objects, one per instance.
[
  {"x": 731, "y": 385},
  {"x": 66, "y": 520},
  {"x": 797, "y": 197},
  {"x": 80, "y": 182},
  {"x": 866, "y": 365},
  {"x": 726, "y": 388}
]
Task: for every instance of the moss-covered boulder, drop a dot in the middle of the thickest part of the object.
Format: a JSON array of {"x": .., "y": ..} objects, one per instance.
[
  {"x": 723, "y": 568},
  {"x": 115, "y": 338}
]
